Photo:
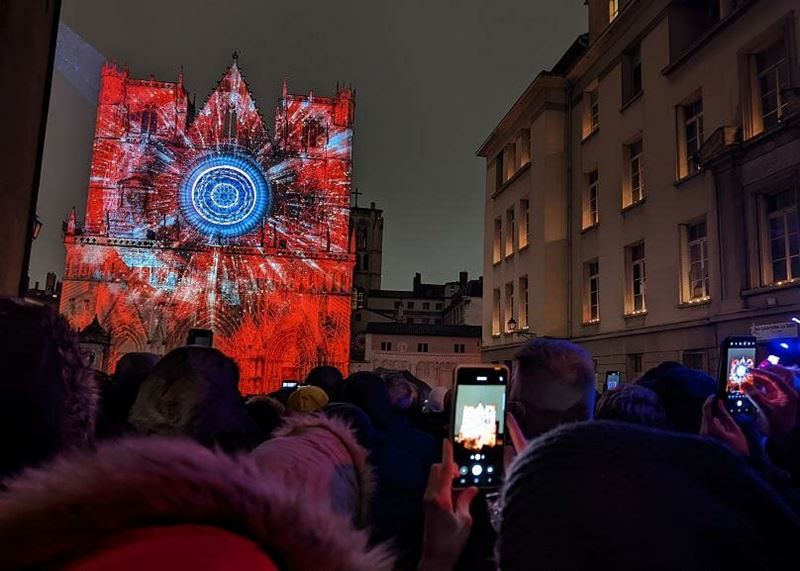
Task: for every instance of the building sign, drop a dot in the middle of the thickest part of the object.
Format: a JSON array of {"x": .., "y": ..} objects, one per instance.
[{"x": 773, "y": 330}]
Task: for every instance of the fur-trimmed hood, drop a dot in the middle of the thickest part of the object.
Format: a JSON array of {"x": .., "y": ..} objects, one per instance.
[
  {"x": 321, "y": 456},
  {"x": 52, "y": 515}
]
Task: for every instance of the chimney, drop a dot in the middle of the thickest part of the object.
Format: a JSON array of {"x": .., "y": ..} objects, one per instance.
[
  {"x": 463, "y": 278},
  {"x": 372, "y": 205},
  {"x": 417, "y": 280}
]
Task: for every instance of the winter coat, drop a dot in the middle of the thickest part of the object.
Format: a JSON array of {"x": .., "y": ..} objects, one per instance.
[{"x": 76, "y": 509}]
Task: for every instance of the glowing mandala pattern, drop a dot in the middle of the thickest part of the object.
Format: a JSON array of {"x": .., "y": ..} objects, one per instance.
[
  {"x": 740, "y": 370},
  {"x": 225, "y": 195}
]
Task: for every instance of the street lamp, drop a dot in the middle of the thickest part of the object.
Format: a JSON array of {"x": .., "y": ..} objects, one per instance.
[{"x": 511, "y": 327}]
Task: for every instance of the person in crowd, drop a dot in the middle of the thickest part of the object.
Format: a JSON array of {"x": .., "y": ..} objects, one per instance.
[
  {"x": 402, "y": 457},
  {"x": 402, "y": 394},
  {"x": 553, "y": 383},
  {"x": 322, "y": 456},
  {"x": 306, "y": 399},
  {"x": 267, "y": 413},
  {"x": 120, "y": 393},
  {"x": 328, "y": 378},
  {"x": 194, "y": 391},
  {"x": 48, "y": 396},
  {"x": 634, "y": 404},
  {"x": 358, "y": 421},
  {"x": 610, "y": 495},
  {"x": 682, "y": 392},
  {"x": 164, "y": 503}
]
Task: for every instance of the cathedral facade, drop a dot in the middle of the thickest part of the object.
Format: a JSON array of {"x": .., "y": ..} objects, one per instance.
[{"x": 203, "y": 219}]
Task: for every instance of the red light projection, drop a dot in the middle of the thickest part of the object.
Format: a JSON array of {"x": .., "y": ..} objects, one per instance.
[{"x": 206, "y": 220}]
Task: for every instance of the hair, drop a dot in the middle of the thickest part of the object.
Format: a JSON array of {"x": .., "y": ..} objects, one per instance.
[
  {"x": 326, "y": 377},
  {"x": 554, "y": 383},
  {"x": 633, "y": 404}
]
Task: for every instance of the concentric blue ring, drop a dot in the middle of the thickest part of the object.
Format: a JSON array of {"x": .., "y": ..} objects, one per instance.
[{"x": 225, "y": 195}]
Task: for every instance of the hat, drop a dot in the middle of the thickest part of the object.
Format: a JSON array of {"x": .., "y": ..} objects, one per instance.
[{"x": 307, "y": 399}]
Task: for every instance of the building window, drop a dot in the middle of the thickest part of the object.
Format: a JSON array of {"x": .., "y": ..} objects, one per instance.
[
  {"x": 591, "y": 308},
  {"x": 498, "y": 240},
  {"x": 509, "y": 161},
  {"x": 635, "y": 192},
  {"x": 426, "y": 305},
  {"x": 591, "y": 109},
  {"x": 694, "y": 359},
  {"x": 524, "y": 223},
  {"x": 695, "y": 262},
  {"x": 594, "y": 110},
  {"x": 496, "y": 312},
  {"x": 313, "y": 134},
  {"x": 690, "y": 135},
  {"x": 422, "y": 347},
  {"x": 636, "y": 364},
  {"x": 772, "y": 78},
  {"x": 509, "y": 306},
  {"x": 631, "y": 74},
  {"x": 229, "y": 123},
  {"x": 613, "y": 10},
  {"x": 386, "y": 345},
  {"x": 783, "y": 237},
  {"x": 439, "y": 306},
  {"x": 459, "y": 348},
  {"x": 523, "y": 148},
  {"x": 637, "y": 289},
  {"x": 510, "y": 232},
  {"x": 592, "y": 214},
  {"x": 410, "y": 305},
  {"x": 499, "y": 170},
  {"x": 524, "y": 322},
  {"x": 149, "y": 124}
]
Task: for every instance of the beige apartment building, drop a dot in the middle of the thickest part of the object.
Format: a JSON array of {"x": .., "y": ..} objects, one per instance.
[{"x": 642, "y": 196}]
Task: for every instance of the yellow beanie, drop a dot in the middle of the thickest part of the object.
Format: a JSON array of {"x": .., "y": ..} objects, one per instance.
[{"x": 307, "y": 399}]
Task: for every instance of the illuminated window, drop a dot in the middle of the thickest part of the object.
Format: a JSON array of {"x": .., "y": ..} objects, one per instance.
[
  {"x": 695, "y": 263},
  {"x": 523, "y": 303},
  {"x": 635, "y": 174},
  {"x": 591, "y": 307},
  {"x": 636, "y": 286},
  {"x": 149, "y": 122},
  {"x": 230, "y": 123},
  {"x": 594, "y": 110},
  {"x": 783, "y": 237},
  {"x": 613, "y": 10},
  {"x": 592, "y": 195},
  {"x": 498, "y": 240},
  {"x": 422, "y": 347},
  {"x": 496, "y": 312},
  {"x": 772, "y": 77},
  {"x": 524, "y": 223},
  {"x": 690, "y": 136},
  {"x": 522, "y": 152},
  {"x": 509, "y": 306},
  {"x": 510, "y": 232},
  {"x": 631, "y": 74}
]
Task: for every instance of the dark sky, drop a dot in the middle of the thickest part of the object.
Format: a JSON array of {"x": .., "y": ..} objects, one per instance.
[{"x": 433, "y": 77}]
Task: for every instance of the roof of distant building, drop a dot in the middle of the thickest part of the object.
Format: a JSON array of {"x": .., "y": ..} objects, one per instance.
[{"x": 422, "y": 329}]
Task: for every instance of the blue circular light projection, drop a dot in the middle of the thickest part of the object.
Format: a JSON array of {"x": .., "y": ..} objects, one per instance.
[{"x": 225, "y": 195}]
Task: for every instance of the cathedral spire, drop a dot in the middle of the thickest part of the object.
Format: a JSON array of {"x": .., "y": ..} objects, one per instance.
[
  {"x": 235, "y": 57},
  {"x": 285, "y": 89}
]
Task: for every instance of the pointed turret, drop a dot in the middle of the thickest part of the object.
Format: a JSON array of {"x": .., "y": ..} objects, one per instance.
[{"x": 71, "y": 224}]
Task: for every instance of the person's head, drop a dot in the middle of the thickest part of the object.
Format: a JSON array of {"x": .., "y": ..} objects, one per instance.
[
  {"x": 682, "y": 392},
  {"x": 306, "y": 399},
  {"x": 120, "y": 392},
  {"x": 328, "y": 378},
  {"x": 634, "y": 404},
  {"x": 402, "y": 393},
  {"x": 610, "y": 495},
  {"x": 267, "y": 413},
  {"x": 435, "y": 400},
  {"x": 48, "y": 396},
  {"x": 553, "y": 383},
  {"x": 356, "y": 419},
  {"x": 194, "y": 391},
  {"x": 368, "y": 392}
]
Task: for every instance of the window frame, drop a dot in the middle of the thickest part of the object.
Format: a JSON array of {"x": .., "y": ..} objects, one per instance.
[
  {"x": 508, "y": 306},
  {"x": 497, "y": 313},
  {"x": 508, "y": 246},
  {"x": 523, "y": 304},
  {"x": 784, "y": 213},
  {"x": 524, "y": 238},
  {"x": 687, "y": 263},
  {"x": 593, "y": 199},
  {"x": 497, "y": 240},
  {"x": 591, "y": 285},
  {"x": 422, "y": 348},
  {"x": 613, "y": 10},
  {"x": 635, "y": 286}
]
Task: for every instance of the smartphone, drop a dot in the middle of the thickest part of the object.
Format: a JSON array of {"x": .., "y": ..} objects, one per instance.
[
  {"x": 737, "y": 361},
  {"x": 289, "y": 385},
  {"x": 478, "y": 426},
  {"x": 613, "y": 379},
  {"x": 202, "y": 337}
]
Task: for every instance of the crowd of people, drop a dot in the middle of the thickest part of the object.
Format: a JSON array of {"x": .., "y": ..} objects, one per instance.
[{"x": 165, "y": 465}]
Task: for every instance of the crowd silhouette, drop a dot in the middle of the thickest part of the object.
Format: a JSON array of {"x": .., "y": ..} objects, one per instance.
[{"x": 165, "y": 465}]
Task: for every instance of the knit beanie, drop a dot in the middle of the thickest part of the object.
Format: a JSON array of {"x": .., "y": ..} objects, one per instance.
[
  {"x": 607, "y": 495},
  {"x": 307, "y": 399}
]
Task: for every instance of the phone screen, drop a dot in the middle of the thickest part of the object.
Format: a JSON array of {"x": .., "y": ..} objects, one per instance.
[
  {"x": 612, "y": 379},
  {"x": 479, "y": 425},
  {"x": 739, "y": 361}
]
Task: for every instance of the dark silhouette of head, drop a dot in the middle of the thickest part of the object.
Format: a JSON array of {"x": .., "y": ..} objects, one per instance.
[
  {"x": 48, "y": 396},
  {"x": 553, "y": 383},
  {"x": 682, "y": 392},
  {"x": 368, "y": 392},
  {"x": 328, "y": 378},
  {"x": 634, "y": 404}
]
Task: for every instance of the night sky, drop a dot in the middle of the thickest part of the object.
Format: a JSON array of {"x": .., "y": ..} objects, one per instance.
[{"x": 433, "y": 78}]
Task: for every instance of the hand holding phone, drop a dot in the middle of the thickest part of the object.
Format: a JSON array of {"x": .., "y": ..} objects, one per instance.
[
  {"x": 737, "y": 362},
  {"x": 478, "y": 425}
]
